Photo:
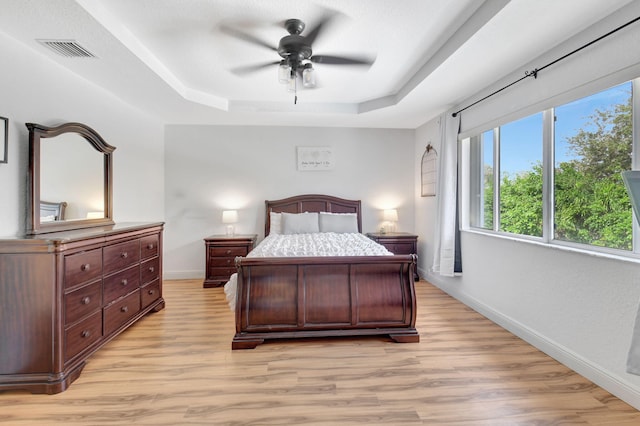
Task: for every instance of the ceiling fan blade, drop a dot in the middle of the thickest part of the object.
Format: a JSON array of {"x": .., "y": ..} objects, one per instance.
[
  {"x": 233, "y": 32},
  {"x": 247, "y": 69},
  {"x": 341, "y": 60},
  {"x": 313, "y": 33}
]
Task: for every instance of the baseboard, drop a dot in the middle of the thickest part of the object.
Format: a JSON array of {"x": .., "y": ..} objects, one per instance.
[
  {"x": 182, "y": 275},
  {"x": 612, "y": 383}
]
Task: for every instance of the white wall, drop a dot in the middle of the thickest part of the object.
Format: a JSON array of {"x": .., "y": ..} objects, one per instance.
[
  {"x": 577, "y": 307},
  {"x": 212, "y": 168},
  {"x": 35, "y": 89}
]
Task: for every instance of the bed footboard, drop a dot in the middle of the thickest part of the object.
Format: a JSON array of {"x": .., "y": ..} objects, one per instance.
[{"x": 282, "y": 298}]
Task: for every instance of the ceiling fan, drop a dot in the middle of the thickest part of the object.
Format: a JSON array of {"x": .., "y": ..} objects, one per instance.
[{"x": 296, "y": 54}]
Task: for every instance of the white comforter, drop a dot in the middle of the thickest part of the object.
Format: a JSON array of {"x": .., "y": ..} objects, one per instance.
[{"x": 303, "y": 245}]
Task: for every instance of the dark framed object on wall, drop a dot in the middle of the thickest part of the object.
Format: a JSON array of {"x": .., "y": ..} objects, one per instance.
[
  {"x": 429, "y": 172},
  {"x": 4, "y": 140}
]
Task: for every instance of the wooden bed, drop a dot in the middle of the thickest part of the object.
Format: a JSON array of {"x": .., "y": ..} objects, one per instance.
[{"x": 293, "y": 297}]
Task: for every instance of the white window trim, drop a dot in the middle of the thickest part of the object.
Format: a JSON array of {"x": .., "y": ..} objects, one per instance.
[{"x": 548, "y": 239}]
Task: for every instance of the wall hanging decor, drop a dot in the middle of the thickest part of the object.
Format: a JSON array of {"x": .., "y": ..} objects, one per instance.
[
  {"x": 315, "y": 158},
  {"x": 429, "y": 171}
]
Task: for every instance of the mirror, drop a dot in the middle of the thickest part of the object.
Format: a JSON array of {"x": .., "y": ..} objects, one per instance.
[{"x": 70, "y": 178}]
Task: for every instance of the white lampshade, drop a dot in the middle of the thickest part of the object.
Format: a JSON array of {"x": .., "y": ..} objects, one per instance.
[
  {"x": 229, "y": 216},
  {"x": 390, "y": 215}
]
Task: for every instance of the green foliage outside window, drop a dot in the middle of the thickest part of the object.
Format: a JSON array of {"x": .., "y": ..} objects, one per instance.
[{"x": 591, "y": 203}]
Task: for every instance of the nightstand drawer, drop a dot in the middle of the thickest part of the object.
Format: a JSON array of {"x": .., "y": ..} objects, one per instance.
[
  {"x": 227, "y": 262},
  {"x": 400, "y": 248},
  {"x": 228, "y": 251},
  {"x": 221, "y": 273}
]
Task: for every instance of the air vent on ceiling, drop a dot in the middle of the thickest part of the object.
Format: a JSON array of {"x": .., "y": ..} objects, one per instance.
[{"x": 67, "y": 48}]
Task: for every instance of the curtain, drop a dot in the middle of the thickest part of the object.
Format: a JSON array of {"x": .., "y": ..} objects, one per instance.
[
  {"x": 446, "y": 229},
  {"x": 633, "y": 359}
]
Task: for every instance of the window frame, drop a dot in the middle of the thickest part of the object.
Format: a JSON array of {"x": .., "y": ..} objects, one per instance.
[{"x": 475, "y": 160}]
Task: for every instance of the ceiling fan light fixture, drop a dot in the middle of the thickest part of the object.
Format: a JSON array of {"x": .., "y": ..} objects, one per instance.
[
  {"x": 284, "y": 72},
  {"x": 308, "y": 76},
  {"x": 292, "y": 85}
]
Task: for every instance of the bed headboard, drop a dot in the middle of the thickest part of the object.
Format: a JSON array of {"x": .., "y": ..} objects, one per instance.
[
  {"x": 311, "y": 203},
  {"x": 54, "y": 210}
]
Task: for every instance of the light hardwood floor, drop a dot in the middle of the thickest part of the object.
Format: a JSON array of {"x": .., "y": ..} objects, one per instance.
[{"x": 176, "y": 367}]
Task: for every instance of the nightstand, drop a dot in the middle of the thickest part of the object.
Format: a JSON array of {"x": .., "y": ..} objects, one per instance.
[
  {"x": 221, "y": 251},
  {"x": 398, "y": 243}
]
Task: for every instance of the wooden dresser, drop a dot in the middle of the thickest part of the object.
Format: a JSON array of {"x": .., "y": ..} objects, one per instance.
[{"x": 66, "y": 294}]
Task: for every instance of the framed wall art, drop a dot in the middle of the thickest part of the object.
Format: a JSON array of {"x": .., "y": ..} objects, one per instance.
[{"x": 315, "y": 158}]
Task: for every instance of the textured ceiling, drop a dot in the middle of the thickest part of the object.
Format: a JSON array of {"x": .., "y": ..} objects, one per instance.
[{"x": 171, "y": 58}]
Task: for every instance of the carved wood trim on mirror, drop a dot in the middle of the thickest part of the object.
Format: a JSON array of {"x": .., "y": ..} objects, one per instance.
[{"x": 41, "y": 164}]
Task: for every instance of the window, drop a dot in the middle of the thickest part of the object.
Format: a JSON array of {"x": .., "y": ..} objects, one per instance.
[
  {"x": 482, "y": 192},
  {"x": 579, "y": 197}
]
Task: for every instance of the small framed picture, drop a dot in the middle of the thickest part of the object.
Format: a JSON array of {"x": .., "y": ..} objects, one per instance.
[
  {"x": 4, "y": 140},
  {"x": 315, "y": 158}
]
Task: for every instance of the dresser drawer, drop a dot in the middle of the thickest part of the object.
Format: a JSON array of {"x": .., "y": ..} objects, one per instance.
[
  {"x": 83, "y": 335},
  {"x": 120, "y": 256},
  {"x": 228, "y": 251},
  {"x": 149, "y": 246},
  {"x": 82, "y": 267},
  {"x": 150, "y": 293},
  {"x": 82, "y": 301},
  {"x": 121, "y": 283},
  {"x": 119, "y": 312},
  {"x": 150, "y": 270}
]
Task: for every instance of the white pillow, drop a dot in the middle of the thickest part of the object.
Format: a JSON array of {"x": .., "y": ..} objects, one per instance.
[
  {"x": 300, "y": 223},
  {"x": 275, "y": 223},
  {"x": 338, "y": 222}
]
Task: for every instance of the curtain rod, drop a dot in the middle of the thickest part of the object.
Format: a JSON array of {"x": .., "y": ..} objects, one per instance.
[{"x": 535, "y": 71}]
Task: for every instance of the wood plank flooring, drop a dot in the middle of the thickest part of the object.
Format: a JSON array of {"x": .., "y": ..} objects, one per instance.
[{"x": 176, "y": 367}]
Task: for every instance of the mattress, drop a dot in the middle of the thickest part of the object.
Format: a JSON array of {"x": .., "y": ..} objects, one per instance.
[{"x": 309, "y": 245}]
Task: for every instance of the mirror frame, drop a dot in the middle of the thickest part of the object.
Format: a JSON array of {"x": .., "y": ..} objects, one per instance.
[{"x": 37, "y": 132}]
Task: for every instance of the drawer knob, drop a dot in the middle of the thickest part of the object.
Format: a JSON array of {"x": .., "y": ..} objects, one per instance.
[
  {"x": 124, "y": 309},
  {"x": 228, "y": 251},
  {"x": 124, "y": 255},
  {"x": 124, "y": 282},
  {"x": 151, "y": 269},
  {"x": 151, "y": 291},
  {"x": 85, "y": 267},
  {"x": 85, "y": 333},
  {"x": 150, "y": 246},
  {"x": 86, "y": 300}
]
